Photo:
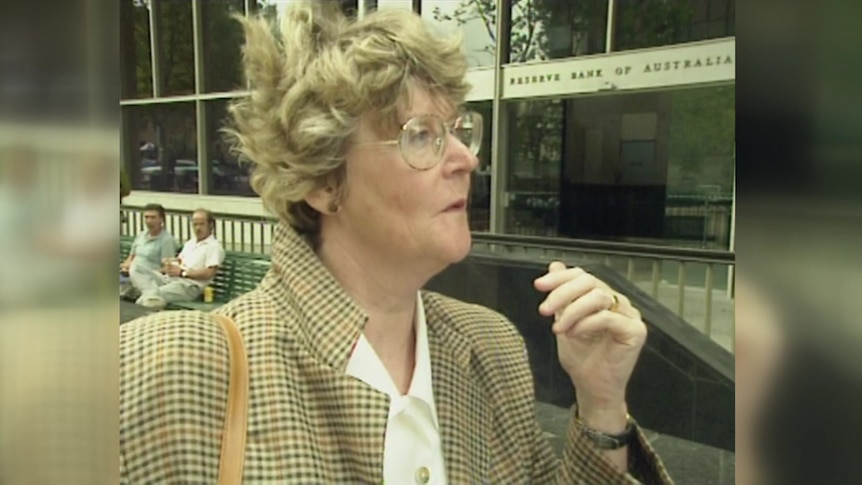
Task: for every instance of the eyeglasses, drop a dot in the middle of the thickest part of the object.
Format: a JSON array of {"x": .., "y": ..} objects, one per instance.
[{"x": 422, "y": 140}]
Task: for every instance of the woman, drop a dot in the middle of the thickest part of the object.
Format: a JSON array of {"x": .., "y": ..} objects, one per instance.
[{"x": 361, "y": 149}]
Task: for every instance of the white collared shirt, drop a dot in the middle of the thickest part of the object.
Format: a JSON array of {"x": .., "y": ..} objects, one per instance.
[
  {"x": 205, "y": 253},
  {"x": 411, "y": 447}
]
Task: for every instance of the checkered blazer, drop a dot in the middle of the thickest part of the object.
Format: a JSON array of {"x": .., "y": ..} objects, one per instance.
[{"x": 308, "y": 421}]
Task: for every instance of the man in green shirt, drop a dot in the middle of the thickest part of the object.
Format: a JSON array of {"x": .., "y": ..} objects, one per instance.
[{"x": 148, "y": 250}]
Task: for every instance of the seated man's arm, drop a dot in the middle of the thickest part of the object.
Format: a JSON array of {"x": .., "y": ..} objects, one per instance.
[
  {"x": 169, "y": 248},
  {"x": 202, "y": 273},
  {"x": 127, "y": 263}
]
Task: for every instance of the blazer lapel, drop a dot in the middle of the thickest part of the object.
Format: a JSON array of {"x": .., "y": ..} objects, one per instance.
[
  {"x": 348, "y": 417},
  {"x": 329, "y": 321},
  {"x": 462, "y": 409}
]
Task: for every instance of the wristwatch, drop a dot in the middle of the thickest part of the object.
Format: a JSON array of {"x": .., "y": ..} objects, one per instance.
[
  {"x": 184, "y": 273},
  {"x": 607, "y": 441}
]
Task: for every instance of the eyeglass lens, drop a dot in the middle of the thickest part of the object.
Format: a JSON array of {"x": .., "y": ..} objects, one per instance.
[{"x": 423, "y": 138}]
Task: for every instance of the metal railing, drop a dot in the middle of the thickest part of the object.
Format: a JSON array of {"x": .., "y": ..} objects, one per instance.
[
  {"x": 697, "y": 284},
  {"x": 236, "y": 232}
]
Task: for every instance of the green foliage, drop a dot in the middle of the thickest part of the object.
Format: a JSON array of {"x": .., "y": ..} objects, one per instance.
[
  {"x": 648, "y": 23},
  {"x": 176, "y": 47},
  {"x": 703, "y": 131},
  {"x": 527, "y": 38}
]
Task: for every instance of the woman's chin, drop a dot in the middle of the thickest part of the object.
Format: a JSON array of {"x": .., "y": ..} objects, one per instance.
[{"x": 457, "y": 247}]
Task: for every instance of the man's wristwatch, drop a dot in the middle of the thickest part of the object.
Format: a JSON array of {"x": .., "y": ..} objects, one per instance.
[
  {"x": 607, "y": 441},
  {"x": 184, "y": 274}
]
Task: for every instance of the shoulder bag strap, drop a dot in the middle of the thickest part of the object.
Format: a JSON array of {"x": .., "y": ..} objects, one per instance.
[{"x": 236, "y": 414}]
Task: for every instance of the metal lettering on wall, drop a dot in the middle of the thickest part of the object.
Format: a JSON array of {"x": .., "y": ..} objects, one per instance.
[{"x": 679, "y": 65}]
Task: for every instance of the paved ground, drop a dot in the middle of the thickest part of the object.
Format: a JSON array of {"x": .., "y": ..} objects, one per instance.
[{"x": 130, "y": 311}]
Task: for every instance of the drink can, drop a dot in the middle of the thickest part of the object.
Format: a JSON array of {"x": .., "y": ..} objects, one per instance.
[{"x": 208, "y": 294}]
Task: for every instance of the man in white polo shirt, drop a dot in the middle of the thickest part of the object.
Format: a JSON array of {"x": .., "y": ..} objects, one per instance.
[{"x": 184, "y": 278}]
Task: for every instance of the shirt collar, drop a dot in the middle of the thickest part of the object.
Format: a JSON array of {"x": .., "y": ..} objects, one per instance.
[
  {"x": 421, "y": 385},
  {"x": 365, "y": 365},
  {"x": 150, "y": 237}
]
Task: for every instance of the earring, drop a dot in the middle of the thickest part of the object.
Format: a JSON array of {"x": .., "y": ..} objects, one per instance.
[{"x": 333, "y": 207}]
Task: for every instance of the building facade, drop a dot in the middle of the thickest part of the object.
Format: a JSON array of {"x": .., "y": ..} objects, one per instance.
[{"x": 606, "y": 119}]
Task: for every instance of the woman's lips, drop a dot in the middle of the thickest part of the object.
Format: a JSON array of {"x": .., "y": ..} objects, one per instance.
[{"x": 458, "y": 205}]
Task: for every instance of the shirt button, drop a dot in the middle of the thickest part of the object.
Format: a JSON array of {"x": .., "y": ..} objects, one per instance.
[{"x": 423, "y": 475}]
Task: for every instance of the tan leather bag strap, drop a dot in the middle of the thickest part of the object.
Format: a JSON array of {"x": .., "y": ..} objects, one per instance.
[{"x": 236, "y": 414}]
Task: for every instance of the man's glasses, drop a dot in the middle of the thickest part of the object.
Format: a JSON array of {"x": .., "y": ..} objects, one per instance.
[{"x": 422, "y": 140}]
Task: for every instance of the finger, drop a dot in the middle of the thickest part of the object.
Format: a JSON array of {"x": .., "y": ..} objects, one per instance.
[
  {"x": 594, "y": 301},
  {"x": 622, "y": 329},
  {"x": 556, "y": 266},
  {"x": 563, "y": 295},
  {"x": 626, "y": 308},
  {"x": 556, "y": 276}
]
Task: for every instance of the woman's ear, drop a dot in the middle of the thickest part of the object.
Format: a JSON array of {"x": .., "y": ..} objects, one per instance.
[{"x": 323, "y": 200}]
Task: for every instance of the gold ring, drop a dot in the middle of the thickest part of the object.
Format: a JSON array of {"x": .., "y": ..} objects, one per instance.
[{"x": 615, "y": 304}]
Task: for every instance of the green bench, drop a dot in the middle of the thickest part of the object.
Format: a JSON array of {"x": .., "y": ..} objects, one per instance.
[
  {"x": 125, "y": 247},
  {"x": 239, "y": 274}
]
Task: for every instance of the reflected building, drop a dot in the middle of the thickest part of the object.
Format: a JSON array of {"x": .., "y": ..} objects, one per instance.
[{"x": 606, "y": 119}]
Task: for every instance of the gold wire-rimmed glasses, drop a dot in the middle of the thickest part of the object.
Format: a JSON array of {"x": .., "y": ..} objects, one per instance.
[{"x": 423, "y": 138}]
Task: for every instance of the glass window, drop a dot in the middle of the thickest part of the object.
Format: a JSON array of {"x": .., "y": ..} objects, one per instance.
[
  {"x": 476, "y": 19},
  {"x": 553, "y": 29},
  {"x": 651, "y": 23},
  {"x": 222, "y": 39},
  {"x": 701, "y": 163},
  {"x": 161, "y": 148},
  {"x": 227, "y": 176},
  {"x": 480, "y": 191},
  {"x": 533, "y": 178},
  {"x": 176, "y": 47},
  {"x": 135, "y": 52},
  {"x": 349, "y": 7},
  {"x": 267, "y": 8},
  {"x": 653, "y": 167}
]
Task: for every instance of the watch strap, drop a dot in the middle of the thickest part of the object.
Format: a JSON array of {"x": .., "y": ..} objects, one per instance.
[{"x": 607, "y": 441}]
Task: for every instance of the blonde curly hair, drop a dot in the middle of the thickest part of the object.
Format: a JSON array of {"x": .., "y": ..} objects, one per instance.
[{"x": 312, "y": 78}]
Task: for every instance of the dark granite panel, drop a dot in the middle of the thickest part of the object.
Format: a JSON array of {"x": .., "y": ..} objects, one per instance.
[
  {"x": 686, "y": 339},
  {"x": 671, "y": 351},
  {"x": 660, "y": 396},
  {"x": 662, "y": 391},
  {"x": 714, "y": 418}
]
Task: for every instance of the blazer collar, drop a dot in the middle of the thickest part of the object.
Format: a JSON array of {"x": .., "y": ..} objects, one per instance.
[
  {"x": 442, "y": 330},
  {"x": 461, "y": 406},
  {"x": 329, "y": 320}
]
